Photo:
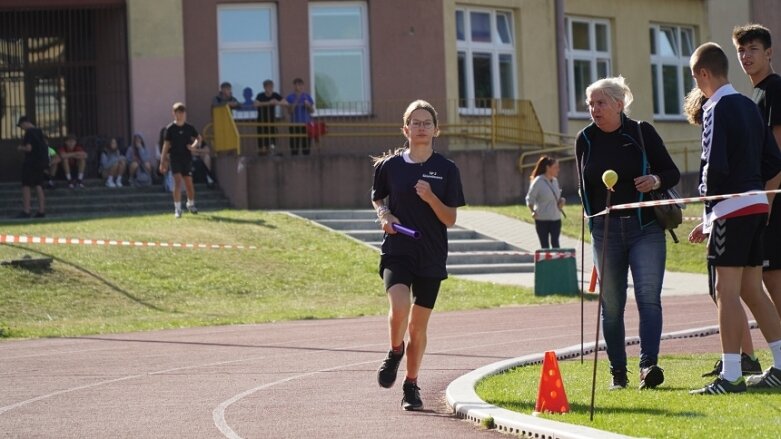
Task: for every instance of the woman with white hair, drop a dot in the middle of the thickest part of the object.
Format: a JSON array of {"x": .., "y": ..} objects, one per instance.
[{"x": 635, "y": 241}]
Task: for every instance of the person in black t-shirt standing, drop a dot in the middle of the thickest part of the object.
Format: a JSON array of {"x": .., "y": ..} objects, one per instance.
[
  {"x": 36, "y": 161},
  {"x": 754, "y": 46},
  {"x": 180, "y": 140},
  {"x": 418, "y": 188},
  {"x": 266, "y": 103}
]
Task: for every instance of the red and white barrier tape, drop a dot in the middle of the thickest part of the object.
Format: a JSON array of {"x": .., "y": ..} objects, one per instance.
[
  {"x": 680, "y": 201},
  {"x": 23, "y": 239},
  {"x": 542, "y": 255}
]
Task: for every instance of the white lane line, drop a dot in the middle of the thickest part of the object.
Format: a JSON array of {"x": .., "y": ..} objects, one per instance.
[{"x": 60, "y": 392}]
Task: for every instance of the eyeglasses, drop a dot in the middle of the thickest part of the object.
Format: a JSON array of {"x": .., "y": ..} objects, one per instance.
[{"x": 428, "y": 124}]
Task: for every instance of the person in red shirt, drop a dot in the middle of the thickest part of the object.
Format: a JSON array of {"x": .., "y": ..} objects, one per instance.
[{"x": 72, "y": 156}]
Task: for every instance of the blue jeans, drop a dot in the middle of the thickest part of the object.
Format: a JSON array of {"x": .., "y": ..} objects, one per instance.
[{"x": 644, "y": 252}]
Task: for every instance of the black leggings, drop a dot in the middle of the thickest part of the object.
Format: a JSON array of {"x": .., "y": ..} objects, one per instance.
[{"x": 548, "y": 229}]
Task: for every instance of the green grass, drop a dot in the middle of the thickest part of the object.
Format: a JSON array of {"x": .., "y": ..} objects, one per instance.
[
  {"x": 298, "y": 271},
  {"x": 682, "y": 257},
  {"x": 668, "y": 411}
]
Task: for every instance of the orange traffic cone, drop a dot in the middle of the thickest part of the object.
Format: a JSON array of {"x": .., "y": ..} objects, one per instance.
[
  {"x": 592, "y": 286},
  {"x": 551, "y": 396}
]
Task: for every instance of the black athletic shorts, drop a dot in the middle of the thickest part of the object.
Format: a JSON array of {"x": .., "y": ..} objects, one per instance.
[
  {"x": 737, "y": 242},
  {"x": 33, "y": 175},
  {"x": 772, "y": 240},
  {"x": 182, "y": 165},
  {"x": 424, "y": 289}
]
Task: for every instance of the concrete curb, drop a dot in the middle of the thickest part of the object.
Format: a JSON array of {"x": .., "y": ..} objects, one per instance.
[{"x": 466, "y": 404}]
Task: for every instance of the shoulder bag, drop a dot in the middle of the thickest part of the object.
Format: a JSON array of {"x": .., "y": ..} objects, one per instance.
[{"x": 669, "y": 216}]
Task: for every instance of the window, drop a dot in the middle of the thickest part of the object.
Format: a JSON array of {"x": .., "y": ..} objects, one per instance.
[
  {"x": 671, "y": 47},
  {"x": 339, "y": 43},
  {"x": 486, "y": 58},
  {"x": 588, "y": 59},
  {"x": 247, "y": 44}
]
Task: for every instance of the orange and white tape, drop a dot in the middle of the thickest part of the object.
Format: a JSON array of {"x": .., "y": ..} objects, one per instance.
[{"x": 24, "y": 239}]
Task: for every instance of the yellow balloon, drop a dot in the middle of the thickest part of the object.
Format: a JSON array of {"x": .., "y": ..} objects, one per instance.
[{"x": 610, "y": 178}]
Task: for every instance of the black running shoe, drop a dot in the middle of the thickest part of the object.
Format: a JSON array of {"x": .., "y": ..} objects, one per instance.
[
  {"x": 411, "y": 399},
  {"x": 619, "y": 380},
  {"x": 720, "y": 386},
  {"x": 771, "y": 379},
  {"x": 386, "y": 374},
  {"x": 747, "y": 366},
  {"x": 651, "y": 376}
]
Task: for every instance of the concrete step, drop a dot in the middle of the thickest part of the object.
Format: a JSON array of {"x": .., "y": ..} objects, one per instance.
[
  {"x": 489, "y": 268},
  {"x": 96, "y": 200},
  {"x": 336, "y": 214},
  {"x": 477, "y": 245},
  {"x": 488, "y": 257},
  {"x": 469, "y": 251},
  {"x": 349, "y": 223}
]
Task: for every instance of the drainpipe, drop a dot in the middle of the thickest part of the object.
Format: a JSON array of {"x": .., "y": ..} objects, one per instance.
[{"x": 561, "y": 35}]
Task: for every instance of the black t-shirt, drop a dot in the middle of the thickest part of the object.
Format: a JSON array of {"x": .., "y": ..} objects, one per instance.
[
  {"x": 180, "y": 137},
  {"x": 767, "y": 95},
  {"x": 39, "y": 155},
  {"x": 266, "y": 113},
  {"x": 395, "y": 179}
]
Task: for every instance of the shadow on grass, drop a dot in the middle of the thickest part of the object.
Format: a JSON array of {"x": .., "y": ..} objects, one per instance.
[
  {"x": 225, "y": 219},
  {"x": 97, "y": 277}
]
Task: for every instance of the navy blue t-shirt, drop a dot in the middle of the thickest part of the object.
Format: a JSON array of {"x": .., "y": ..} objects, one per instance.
[{"x": 395, "y": 179}]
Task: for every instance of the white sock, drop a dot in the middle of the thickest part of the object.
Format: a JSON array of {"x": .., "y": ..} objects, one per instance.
[
  {"x": 190, "y": 202},
  {"x": 110, "y": 179},
  {"x": 730, "y": 369},
  {"x": 775, "y": 349},
  {"x": 177, "y": 205},
  {"x": 81, "y": 176},
  {"x": 209, "y": 180}
]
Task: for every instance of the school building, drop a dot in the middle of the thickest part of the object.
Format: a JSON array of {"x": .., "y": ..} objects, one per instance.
[{"x": 100, "y": 68}]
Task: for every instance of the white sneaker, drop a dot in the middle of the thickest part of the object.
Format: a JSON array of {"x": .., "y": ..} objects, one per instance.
[
  {"x": 118, "y": 183},
  {"x": 177, "y": 213},
  {"x": 110, "y": 182}
]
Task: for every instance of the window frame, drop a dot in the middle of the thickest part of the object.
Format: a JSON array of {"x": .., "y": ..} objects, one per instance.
[
  {"x": 364, "y": 107},
  {"x": 592, "y": 56},
  {"x": 271, "y": 47},
  {"x": 681, "y": 64},
  {"x": 496, "y": 49}
]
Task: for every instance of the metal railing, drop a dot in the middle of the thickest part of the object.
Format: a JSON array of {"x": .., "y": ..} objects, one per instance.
[{"x": 498, "y": 123}]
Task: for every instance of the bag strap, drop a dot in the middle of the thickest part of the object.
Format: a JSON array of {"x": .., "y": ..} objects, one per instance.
[
  {"x": 555, "y": 196},
  {"x": 642, "y": 146}
]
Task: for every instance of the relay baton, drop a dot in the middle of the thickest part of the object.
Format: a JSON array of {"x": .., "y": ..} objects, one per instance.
[{"x": 414, "y": 234}]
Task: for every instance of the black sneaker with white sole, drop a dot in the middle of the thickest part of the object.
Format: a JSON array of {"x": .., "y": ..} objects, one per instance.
[
  {"x": 386, "y": 374},
  {"x": 619, "y": 380},
  {"x": 720, "y": 386},
  {"x": 748, "y": 366},
  {"x": 651, "y": 377},
  {"x": 771, "y": 379},
  {"x": 411, "y": 399}
]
